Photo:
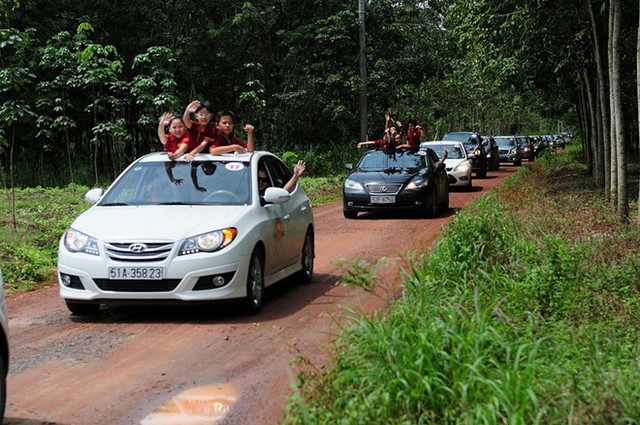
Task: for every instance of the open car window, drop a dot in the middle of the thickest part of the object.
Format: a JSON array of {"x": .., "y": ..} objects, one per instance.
[{"x": 182, "y": 183}]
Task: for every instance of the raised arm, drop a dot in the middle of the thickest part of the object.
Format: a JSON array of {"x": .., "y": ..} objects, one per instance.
[
  {"x": 191, "y": 108},
  {"x": 162, "y": 123},
  {"x": 251, "y": 143},
  {"x": 297, "y": 172}
]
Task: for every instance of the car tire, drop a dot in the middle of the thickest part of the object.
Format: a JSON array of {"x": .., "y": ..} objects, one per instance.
[
  {"x": 350, "y": 214},
  {"x": 482, "y": 174},
  {"x": 469, "y": 187},
  {"x": 307, "y": 257},
  {"x": 255, "y": 283},
  {"x": 431, "y": 203},
  {"x": 82, "y": 309},
  {"x": 3, "y": 387}
]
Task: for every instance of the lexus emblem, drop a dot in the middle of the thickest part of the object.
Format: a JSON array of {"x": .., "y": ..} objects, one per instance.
[
  {"x": 137, "y": 247},
  {"x": 383, "y": 188}
]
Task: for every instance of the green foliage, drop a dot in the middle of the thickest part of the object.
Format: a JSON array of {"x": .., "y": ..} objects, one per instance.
[
  {"x": 495, "y": 326},
  {"x": 28, "y": 255}
]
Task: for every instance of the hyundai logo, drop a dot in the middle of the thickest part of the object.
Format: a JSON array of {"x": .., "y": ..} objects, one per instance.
[
  {"x": 383, "y": 188},
  {"x": 137, "y": 247}
]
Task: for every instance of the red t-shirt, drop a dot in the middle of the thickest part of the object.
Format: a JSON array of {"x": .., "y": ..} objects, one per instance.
[
  {"x": 197, "y": 134},
  {"x": 173, "y": 143},
  {"x": 381, "y": 144},
  {"x": 413, "y": 138},
  {"x": 220, "y": 140}
]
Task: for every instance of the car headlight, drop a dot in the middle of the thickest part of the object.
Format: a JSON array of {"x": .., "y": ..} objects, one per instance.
[
  {"x": 477, "y": 152},
  {"x": 76, "y": 241},
  {"x": 352, "y": 184},
  {"x": 513, "y": 151},
  {"x": 462, "y": 168},
  {"x": 526, "y": 149},
  {"x": 208, "y": 242},
  {"x": 417, "y": 184}
]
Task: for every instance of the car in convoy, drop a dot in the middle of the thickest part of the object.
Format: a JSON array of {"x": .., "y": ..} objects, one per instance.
[
  {"x": 4, "y": 350},
  {"x": 457, "y": 162},
  {"x": 493, "y": 153},
  {"x": 475, "y": 150},
  {"x": 527, "y": 149},
  {"x": 182, "y": 232},
  {"x": 509, "y": 149},
  {"x": 400, "y": 180}
]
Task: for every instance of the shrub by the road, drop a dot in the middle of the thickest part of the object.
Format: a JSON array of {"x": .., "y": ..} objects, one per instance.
[{"x": 525, "y": 311}]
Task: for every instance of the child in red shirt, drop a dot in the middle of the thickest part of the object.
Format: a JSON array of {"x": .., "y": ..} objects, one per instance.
[
  {"x": 225, "y": 141},
  {"x": 177, "y": 141},
  {"x": 202, "y": 131}
]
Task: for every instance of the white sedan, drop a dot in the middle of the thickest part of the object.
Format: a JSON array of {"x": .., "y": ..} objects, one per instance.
[
  {"x": 457, "y": 162},
  {"x": 175, "y": 232}
]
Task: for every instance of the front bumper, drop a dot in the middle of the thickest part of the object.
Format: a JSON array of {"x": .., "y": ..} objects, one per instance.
[{"x": 194, "y": 277}]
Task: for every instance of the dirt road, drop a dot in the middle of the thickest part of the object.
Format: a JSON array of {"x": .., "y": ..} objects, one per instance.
[{"x": 173, "y": 365}]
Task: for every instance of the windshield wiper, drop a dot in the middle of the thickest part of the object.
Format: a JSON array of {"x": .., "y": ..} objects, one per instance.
[
  {"x": 114, "y": 204},
  {"x": 172, "y": 203}
]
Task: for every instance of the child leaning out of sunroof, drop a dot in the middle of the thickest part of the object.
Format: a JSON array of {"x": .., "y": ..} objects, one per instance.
[
  {"x": 176, "y": 143},
  {"x": 225, "y": 141}
]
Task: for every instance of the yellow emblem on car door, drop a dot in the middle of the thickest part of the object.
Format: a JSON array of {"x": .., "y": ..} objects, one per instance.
[{"x": 278, "y": 234}]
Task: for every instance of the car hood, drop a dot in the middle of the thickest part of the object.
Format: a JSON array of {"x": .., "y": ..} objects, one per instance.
[
  {"x": 153, "y": 222},
  {"x": 453, "y": 163}
]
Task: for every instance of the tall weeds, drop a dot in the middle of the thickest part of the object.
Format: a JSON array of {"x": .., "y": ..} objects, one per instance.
[{"x": 496, "y": 326}]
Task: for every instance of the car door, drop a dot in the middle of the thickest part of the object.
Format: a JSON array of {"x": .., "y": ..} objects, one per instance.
[{"x": 291, "y": 221}]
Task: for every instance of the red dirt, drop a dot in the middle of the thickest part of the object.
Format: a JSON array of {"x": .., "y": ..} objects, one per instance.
[{"x": 119, "y": 367}]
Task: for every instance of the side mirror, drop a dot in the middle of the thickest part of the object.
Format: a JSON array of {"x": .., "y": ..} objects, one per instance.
[
  {"x": 349, "y": 167},
  {"x": 94, "y": 195},
  {"x": 276, "y": 195}
]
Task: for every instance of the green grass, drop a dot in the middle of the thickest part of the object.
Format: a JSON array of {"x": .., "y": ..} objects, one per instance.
[{"x": 525, "y": 311}]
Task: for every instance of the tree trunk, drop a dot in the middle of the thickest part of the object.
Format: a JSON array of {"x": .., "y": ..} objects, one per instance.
[
  {"x": 591, "y": 108},
  {"x": 601, "y": 155},
  {"x": 611, "y": 192},
  {"x": 622, "y": 195},
  {"x": 13, "y": 184},
  {"x": 638, "y": 96}
]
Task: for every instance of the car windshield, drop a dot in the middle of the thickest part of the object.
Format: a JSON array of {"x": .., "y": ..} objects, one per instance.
[
  {"x": 457, "y": 137},
  {"x": 182, "y": 183},
  {"x": 455, "y": 151},
  {"x": 381, "y": 160},
  {"x": 505, "y": 141}
]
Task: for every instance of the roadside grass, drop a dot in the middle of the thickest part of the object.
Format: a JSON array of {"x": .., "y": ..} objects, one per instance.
[
  {"x": 28, "y": 253},
  {"x": 525, "y": 311}
]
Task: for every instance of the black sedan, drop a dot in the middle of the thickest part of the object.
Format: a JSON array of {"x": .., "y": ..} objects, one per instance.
[{"x": 403, "y": 180}]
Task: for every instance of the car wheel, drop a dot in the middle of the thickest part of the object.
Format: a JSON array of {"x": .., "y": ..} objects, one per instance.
[
  {"x": 350, "y": 214},
  {"x": 470, "y": 185},
  {"x": 308, "y": 252},
  {"x": 431, "y": 203},
  {"x": 255, "y": 283},
  {"x": 519, "y": 162},
  {"x": 3, "y": 387},
  {"x": 82, "y": 309},
  {"x": 482, "y": 174}
]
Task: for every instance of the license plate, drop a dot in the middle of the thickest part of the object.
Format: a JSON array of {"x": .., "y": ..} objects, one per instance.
[
  {"x": 136, "y": 273},
  {"x": 383, "y": 199}
]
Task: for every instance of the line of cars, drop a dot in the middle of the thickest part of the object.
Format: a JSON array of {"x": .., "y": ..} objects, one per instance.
[{"x": 409, "y": 180}]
